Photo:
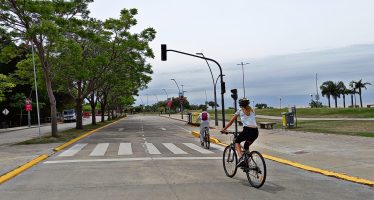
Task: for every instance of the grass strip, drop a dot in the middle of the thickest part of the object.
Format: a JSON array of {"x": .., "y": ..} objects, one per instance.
[{"x": 66, "y": 135}]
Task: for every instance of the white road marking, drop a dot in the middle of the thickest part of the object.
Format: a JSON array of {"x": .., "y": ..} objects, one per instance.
[
  {"x": 73, "y": 150},
  {"x": 174, "y": 148},
  {"x": 132, "y": 159},
  {"x": 151, "y": 149},
  {"x": 125, "y": 149},
  {"x": 216, "y": 146},
  {"x": 120, "y": 129},
  {"x": 164, "y": 129},
  {"x": 100, "y": 149},
  {"x": 197, "y": 148}
]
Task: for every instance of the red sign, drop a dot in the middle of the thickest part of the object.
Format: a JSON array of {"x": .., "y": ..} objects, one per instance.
[
  {"x": 28, "y": 107},
  {"x": 181, "y": 99},
  {"x": 169, "y": 104}
]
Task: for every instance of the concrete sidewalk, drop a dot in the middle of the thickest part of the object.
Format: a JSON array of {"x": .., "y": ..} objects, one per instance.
[{"x": 351, "y": 155}]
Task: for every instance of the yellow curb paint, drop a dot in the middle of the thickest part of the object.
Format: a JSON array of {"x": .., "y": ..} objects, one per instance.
[
  {"x": 321, "y": 171},
  {"x": 22, "y": 168},
  {"x": 59, "y": 148},
  {"x": 306, "y": 167}
]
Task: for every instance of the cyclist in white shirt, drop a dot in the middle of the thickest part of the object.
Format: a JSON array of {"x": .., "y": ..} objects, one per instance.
[
  {"x": 250, "y": 130},
  {"x": 204, "y": 118}
]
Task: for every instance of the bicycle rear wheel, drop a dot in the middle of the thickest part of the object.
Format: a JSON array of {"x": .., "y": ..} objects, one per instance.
[
  {"x": 229, "y": 161},
  {"x": 207, "y": 140},
  {"x": 256, "y": 173}
]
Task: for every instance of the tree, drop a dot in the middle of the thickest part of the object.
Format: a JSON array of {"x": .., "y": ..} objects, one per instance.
[
  {"x": 18, "y": 101},
  {"x": 44, "y": 24},
  {"x": 212, "y": 104},
  {"x": 261, "y": 105},
  {"x": 315, "y": 104},
  {"x": 359, "y": 85},
  {"x": 6, "y": 85},
  {"x": 127, "y": 53},
  {"x": 330, "y": 89},
  {"x": 343, "y": 91}
]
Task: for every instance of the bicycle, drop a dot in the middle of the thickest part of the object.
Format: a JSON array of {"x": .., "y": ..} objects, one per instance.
[
  {"x": 206, "y": 137},
  {"x": 254, "y": 164}
]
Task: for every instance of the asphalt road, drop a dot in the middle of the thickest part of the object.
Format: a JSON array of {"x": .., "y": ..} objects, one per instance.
[{"x": 148, "y": 157}]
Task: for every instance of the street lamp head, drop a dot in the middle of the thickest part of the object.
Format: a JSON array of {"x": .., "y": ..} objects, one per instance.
[{"x": 200, "y": 54}]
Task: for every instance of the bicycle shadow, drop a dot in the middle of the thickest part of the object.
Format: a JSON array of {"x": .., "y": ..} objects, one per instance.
[{"x": 267, "y": 187}]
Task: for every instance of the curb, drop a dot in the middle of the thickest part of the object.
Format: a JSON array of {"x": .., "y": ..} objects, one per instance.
[
  {"x": 14, "y": 172},
  {"x": 22, "y": 168},
  {"x": 305, "y": 167},
  {"x": 63, "y": 146}
]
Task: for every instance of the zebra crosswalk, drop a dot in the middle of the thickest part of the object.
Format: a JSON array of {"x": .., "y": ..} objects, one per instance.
[{"x": 129, "y": 149}]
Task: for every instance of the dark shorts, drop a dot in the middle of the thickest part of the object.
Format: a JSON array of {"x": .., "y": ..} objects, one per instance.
[{"x": 248, "y": 134}]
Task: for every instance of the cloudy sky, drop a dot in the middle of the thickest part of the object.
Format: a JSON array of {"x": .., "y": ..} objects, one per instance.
[{"x": 286, "y": 43}]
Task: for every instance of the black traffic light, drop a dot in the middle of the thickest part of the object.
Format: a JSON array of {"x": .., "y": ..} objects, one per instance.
[
  {"x": 163, "y": 52},
  {"x": 223, "y": 88},
  {"x": 234, "y": 94}
]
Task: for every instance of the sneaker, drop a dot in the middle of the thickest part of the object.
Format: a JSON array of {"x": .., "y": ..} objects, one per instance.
[{"x": 240, "y": 162}]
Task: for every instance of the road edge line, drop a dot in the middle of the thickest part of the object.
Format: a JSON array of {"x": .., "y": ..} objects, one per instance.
[
  {"x": 305, "y": 167},
  {"x": 22, "y": 168},
  {"x": 72, "y": 141}
]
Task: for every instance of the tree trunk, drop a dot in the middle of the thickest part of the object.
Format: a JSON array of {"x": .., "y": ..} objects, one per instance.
[
  {"x": 344, "y": 100},
  {"x": 20, "y": 118},
  {"x": 78, "y": 106},
  {"x": 93, "y": 108},
  {"x": 352, "y": 100},
  {"x": 52, "y": 100},
  {"x": 79, "y": 109},
  {"x": 336, "y": 101},
  {"x": 328, "y": 98},
  {"x": 103, "y": 107},
  {"x": 359, "y": 91}
]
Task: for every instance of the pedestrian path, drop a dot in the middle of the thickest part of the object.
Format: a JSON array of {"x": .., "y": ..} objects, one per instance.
[{"x": 130, "y": 149}]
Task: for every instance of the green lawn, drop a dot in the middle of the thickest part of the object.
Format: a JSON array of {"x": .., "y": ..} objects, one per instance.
[
  {"x": 343, "y": 127},
  {"x": 323, "y": 112},
  {"x": 355, "y": 128}
]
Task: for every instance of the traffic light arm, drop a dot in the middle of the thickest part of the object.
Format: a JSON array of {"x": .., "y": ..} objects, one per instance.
[{"x": 164, "y": 51}]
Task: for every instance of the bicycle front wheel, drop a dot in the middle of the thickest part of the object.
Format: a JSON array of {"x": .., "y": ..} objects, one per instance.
[
  {"x": 229, "y": 161},
  {"x": 256, "y": 172}
]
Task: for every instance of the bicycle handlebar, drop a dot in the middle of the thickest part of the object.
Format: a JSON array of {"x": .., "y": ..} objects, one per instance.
[{"x": 228, "y": 132}]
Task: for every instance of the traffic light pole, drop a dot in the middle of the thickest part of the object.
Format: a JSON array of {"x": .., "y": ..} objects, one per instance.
[{"x": 164, "y": 51}]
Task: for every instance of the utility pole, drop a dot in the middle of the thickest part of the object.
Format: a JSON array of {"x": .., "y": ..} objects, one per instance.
[
  {"x": 242, "y": 64},
  {"x": 36, "y": 87},
  {"x": 317, "y": 96}
]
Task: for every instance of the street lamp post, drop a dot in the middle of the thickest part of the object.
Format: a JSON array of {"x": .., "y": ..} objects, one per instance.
[
  {"x": 179, "y": 95},
  {"x": 242, "y": 64},
  {"x": 164, "y": 51},
  {"x": 215, "y": 93}
]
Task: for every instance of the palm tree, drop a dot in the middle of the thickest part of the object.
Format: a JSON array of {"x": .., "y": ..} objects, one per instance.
[
  {"x": 326, "y": 90},
  {"x": 343, "y": 91},
  {"x": 358, "y": 85}
]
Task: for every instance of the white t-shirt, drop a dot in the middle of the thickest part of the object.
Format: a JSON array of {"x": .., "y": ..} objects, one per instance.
[{"x": 247, "y": 120}]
